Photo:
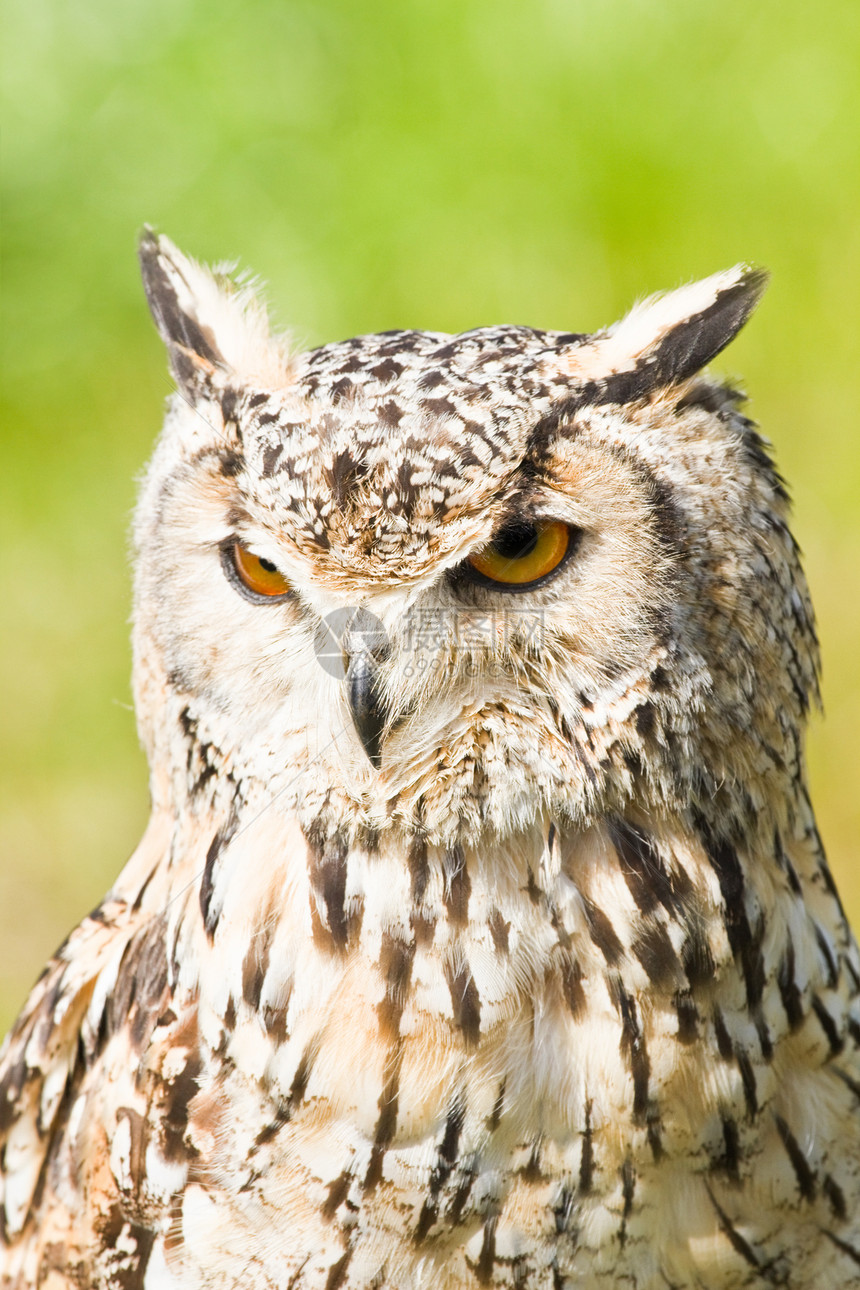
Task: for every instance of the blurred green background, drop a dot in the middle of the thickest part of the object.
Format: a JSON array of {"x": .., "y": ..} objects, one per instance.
[{"x": 400, "y": 163}]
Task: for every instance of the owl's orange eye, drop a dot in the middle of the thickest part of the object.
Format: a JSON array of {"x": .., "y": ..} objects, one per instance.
[
  {"x": 258, "y": 575},
  {"x": 521, "y": 554}
]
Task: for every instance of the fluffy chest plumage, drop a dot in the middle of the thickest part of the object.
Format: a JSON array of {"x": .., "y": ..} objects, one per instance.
[
  {"x": 402, "y": 1066},
  {"x": 325, "y": 1060}
]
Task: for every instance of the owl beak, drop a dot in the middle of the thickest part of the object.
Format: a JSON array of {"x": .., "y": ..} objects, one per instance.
[
  {"x": 365, "y": 704},
  {"x": 365, "y": 647}
]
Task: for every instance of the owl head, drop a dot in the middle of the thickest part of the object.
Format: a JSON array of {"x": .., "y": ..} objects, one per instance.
[{"x": 465, "y": 580}]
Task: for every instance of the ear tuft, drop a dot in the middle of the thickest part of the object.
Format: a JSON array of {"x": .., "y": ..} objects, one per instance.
[
  {"x": 677, "y": 334},
  {"x": 213, "y": 325},
  {"x": 664, "y": 340}
]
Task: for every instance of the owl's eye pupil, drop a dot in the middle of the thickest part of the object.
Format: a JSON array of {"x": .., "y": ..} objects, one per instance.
[
  {"x": 268, "y": 566},
  {"x": 516, "y": 540}
]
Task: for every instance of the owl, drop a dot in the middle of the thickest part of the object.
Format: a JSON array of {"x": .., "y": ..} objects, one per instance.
[{"x": 481, "y": 935}]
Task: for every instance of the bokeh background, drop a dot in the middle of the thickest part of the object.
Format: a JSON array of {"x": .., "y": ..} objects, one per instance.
[{"x": 439, "y": 164}]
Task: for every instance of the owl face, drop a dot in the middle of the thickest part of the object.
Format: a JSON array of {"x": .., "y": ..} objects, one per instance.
[{"x": 470, "y": 578}]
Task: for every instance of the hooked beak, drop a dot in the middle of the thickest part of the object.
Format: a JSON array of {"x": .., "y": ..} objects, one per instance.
[{"x": 365, "y": 647}]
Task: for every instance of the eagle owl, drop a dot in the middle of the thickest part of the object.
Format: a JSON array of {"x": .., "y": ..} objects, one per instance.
[{"x": 481, "y": 935}]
